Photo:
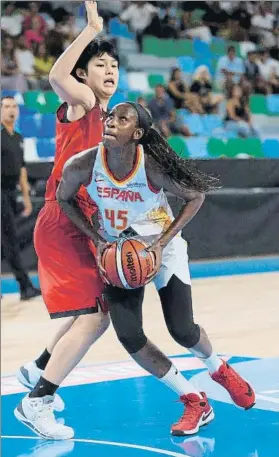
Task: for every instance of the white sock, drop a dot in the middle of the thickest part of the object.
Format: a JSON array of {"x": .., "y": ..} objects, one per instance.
[
  {"x": 213, "y": 362},
  {"x": 175, "y": 381}
]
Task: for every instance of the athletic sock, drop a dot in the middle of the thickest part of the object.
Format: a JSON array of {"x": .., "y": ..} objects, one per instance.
[
  {"x": 213, "y": 362},
  {"x": 175, "y": 381},
  {"x": 42, "y": 388},
  {"x": 42, "y": 361}
]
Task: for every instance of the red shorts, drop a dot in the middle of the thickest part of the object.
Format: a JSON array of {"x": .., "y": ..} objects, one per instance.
[{"x": 68, "y": 273}]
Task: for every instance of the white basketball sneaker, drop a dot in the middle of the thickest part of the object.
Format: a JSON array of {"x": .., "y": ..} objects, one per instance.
[
  {"x": 29, "y": 374},
  {"x": 37, "y": 414}
]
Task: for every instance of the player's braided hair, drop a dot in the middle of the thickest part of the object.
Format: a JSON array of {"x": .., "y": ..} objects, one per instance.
[{"x": 181, "y": 170}]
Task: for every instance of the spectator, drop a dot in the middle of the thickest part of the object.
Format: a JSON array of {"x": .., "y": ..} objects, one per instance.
[
  {"x": 264, "y": 23},
  {"x": 229, "y": 69},
  {"x": 252, "y": 74},
  {"x": 164, "y": 115},
  {"x": 238, "y": 117},
  {"x": 215, "y": 18},
  {"x": 43, "y": 65},
  {"x": 190, "y": 29},
  {"x": 143, "y": 19},
  {"x": 202, "y": 87},
  {"x": 28, "y": 23},
  {"x": 68, "y": 29},
  {"x": 25, "y": 61},
  {"x": 141, "y": 101},
  {"x": 33, "y": 35},
  {"x": 169, "y": 29},
  {"x": 267, "y": 65},
  {"x": 179, "y": 93},
  {"x": 11, "y": 21},
  {"x": 11, "y": 77}
]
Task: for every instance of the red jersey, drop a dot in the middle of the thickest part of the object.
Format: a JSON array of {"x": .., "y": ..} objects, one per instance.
[{"x": 72, "y": 138}]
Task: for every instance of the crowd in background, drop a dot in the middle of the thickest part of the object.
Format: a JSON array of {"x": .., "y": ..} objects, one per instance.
[{"x": 34, "y": 34}]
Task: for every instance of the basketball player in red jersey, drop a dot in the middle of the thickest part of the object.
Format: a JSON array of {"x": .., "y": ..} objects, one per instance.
[{"x": 85, "y": 77}]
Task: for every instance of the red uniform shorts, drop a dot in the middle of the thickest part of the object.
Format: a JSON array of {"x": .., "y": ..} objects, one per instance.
[{"x": 68, "y": 273}]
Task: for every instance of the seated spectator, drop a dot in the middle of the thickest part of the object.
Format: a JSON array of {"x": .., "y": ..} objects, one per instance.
[
  {"x": 180, "y": 95},
  {"x": 11, "y": 78},
  {"x": 229, "y": 69},
  {"x": 253, "y": 76},
  {"x": 264, "y": 23},
  {"x": 68, "y": 29},
  {"x": 11, "y": 21},
  {"x": 215, "y": 18},
  {"x": 169, "y": 29},
  {"x": 238, "y": 117},
  {"x": 33, "y": 34},
  {"x": 33, "y": 13},
  {"x": 267, "y": 65},
  {"x": 191, "y": 30},
  {"x": 164, "y": 115},
  {"x": 25, "y": 62},
  {"x": 43, "y": 65},
  {"x": 202, "y": 87},
  {"x": 143, "y": 19}
]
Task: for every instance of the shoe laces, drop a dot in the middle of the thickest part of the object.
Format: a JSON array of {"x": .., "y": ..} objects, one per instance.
[
  {"x": 189, "y": 410},
  {"x": 232, "y": 375}
]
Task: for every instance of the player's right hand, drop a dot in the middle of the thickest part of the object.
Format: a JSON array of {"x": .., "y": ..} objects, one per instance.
[
  {"x": 101, "y": 246},
  {"x": 93, "y": 19}
]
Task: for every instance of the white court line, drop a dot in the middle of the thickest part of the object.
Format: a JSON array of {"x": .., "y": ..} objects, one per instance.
[
  {"x": 109, "y": 443},
  {"x": 267, "y": 398}
]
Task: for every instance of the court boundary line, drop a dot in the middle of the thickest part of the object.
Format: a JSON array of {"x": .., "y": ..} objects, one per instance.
[
  {"x": 109, "y": 443},
  {"x": 198, "y": 270}
]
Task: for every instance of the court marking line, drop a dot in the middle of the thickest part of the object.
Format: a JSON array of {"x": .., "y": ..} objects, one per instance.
[{"x": 109, "y": 443}]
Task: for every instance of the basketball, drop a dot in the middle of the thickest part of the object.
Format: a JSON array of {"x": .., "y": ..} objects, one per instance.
[{"x": 127, "y": 264}]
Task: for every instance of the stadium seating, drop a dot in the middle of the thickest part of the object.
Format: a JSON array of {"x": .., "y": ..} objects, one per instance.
[{"x": 271, "y": 148}]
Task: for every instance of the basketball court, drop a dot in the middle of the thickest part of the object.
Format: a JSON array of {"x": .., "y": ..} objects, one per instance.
[{"x": 117, "y": 410}]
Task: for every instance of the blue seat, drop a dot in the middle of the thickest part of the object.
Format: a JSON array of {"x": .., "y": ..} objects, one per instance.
[
  {"x": 202, "y": 49},
  {"x": 46, "y": 147},
  {"x": 186, "y": 64},
  {"x": 118, "y": 97},
  {"x": 8, "y": 93},
  {"x": 47, "y": 129},
  {"x": 211, "y": 122},
  {"x": 194, "y": 123},
  {"x": 272, "y": 102},
  {"x": 118, "y": 29},
  {"x": 271, "y": 148},
  {"x": 197, "y": 147},
  {"x": 29, "y": 126}
]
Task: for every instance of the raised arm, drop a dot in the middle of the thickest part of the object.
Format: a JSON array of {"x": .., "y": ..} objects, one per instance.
[
  {"x": 60, "y": 78},
  {"x": 77, "y": 172}
]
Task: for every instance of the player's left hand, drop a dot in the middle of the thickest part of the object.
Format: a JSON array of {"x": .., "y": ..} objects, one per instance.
[{"x": 157, "y": 251}]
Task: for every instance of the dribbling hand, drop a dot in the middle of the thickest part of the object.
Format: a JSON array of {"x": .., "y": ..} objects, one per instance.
[
  {"x": 157, "y": 251},
  {"x": 93, "y": 19},
  {"x": 100, "y": 249}
]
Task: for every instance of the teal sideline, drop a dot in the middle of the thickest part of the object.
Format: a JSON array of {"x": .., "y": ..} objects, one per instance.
[{"x": 198, "y": 270}]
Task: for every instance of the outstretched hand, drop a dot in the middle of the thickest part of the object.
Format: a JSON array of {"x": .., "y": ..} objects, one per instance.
[{"x": 93, "y": 19}]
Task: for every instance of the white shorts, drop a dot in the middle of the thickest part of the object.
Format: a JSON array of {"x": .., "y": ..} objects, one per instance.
[{"x": 175, "y": 261}]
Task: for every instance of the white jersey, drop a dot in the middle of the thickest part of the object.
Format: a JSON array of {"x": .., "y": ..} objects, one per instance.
[{"x": 132, "y": 203}]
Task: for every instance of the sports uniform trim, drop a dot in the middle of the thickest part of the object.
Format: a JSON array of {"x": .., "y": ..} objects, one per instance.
[{"x": 132, "y": 173}]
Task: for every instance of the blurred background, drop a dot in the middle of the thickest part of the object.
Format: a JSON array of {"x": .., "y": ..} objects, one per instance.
[{"x": 209, "y": 74}]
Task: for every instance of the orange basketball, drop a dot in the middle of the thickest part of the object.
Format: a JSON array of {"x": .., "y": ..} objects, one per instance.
[{"x": 127, "y": 264}]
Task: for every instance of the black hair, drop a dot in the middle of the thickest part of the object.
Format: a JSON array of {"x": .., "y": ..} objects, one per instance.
[
  {"x": 9, "y": 97},
  {"x": 231, "y": 48},
  {"x": 96, "y": 48},
  {"x": 173, "y": 71},
  {"x": 180, "y": 170}
]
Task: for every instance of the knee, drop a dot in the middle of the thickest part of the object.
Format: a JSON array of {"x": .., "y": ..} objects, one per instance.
[
  {"x": 186, "y": 335},
  {"x": 132, "y": 342},
  {"x": 92, "y": 326}
]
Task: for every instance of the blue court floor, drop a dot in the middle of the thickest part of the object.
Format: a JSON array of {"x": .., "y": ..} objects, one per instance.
[{"x": 131, "y": 418}]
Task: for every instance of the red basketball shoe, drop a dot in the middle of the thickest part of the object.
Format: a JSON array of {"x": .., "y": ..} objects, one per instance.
[
  {"x": 240, "y": 391},
  {"x": 197, "y": 412}
]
